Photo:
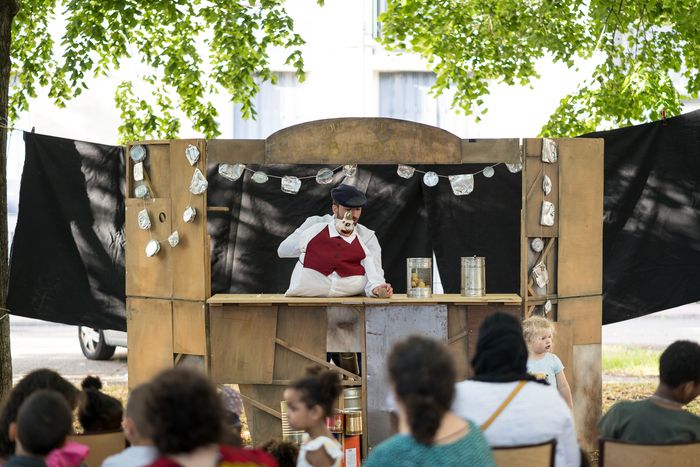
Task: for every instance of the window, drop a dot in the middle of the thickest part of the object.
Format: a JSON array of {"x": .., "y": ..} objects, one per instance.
[{"x": 378, "y": 7}]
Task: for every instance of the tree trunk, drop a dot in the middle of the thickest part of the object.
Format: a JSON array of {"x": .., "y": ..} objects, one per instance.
[{"x": 8, "y": 9}]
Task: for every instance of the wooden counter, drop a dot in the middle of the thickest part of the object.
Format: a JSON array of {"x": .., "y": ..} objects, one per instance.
[{"x": 397, "y": 299}]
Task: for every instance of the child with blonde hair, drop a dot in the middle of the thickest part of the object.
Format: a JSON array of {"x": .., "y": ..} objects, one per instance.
[{"x": 542, "y": 363}]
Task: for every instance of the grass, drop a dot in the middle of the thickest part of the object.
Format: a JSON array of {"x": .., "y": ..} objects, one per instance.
[{"x": 630, "y": 361}]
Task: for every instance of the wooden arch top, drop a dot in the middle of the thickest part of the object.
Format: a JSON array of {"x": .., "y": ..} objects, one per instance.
[{"x": 363, "y": 141}]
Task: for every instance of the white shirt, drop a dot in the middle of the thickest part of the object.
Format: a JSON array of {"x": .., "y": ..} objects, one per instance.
[
  {"x": 536, "y": 414},
  {"x": 306, "y": 282},
  {"x": 134, "y": 456},
  {"x": 331, "y": 446}
]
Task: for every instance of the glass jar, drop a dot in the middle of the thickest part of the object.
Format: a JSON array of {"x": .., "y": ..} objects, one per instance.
[{"x": 419, "y": 277}]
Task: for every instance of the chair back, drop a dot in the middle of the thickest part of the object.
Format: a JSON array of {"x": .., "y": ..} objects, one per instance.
[
  {"x": 527, "y": 455},
  {"x": 616, "y": 453},
  {"x": 102, "y": 445}
]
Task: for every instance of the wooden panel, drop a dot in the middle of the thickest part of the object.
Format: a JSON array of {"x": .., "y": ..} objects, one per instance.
[
  {"x": 304, "y": 328},
  {"x": 189, "y": 328},
  {"x": 189, "y": 258},
  {"x": 585, "y": 315},
  {"x": 457, "y": 326},
  {"x": 400, "y": 299},
  {"x": 535, "y": 170},
  {"x": 476, "y": 315},
  {"x": 156, "y": 169},
  {"x": 580, "y": 217},
  {"x": 362, "y": 140},
  {"x": 563, "y": 348},
  {"x": 148, "y": 277},
  {"x": 261, "y": 424},
  {"x": 587, "y": 393},
  {"x": 624, "y": 454},
  {"x": 490, "y": 150},
  {"x": 150, "y": 338},
  {"x": 242, "y": 343},
  {"x": 234, "y": 151}
]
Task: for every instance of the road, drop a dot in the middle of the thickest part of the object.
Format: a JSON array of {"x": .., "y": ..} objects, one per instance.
[{"x": 37, "y": 344}]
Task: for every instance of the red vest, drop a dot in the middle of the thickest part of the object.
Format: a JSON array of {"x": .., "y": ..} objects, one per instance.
[{"x": 326, "y": 254}]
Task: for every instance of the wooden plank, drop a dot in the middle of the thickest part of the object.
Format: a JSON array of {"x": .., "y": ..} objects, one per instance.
[
  {"x": 262, "y": 299},
  {"x": 148, "y": 277},
  {"x": 535, "y": 171},
  {"x": 188, "y": 258},
  {"x": 362, "y": 140},
  {"x": 587, "y": 393},
  {"x": 563, "y": 348},
  {"x": 490, "y": 150},
  {"x": 242, "y": 344},
  {"x": 236, "y": 151},
  {"x": 314, "y": 359},
  {"x": 261, "y": 423},
  {"x": 157, "y": 169},
  {"x": 580, "y": 268},
  {"x": 305, "y": 328},
  {"x": 586, "y": 316},
  {"x": 150, "y": 338},
  {"x": 189, "y": 328},
  {"x": 457, "y": 339},
  {"x": 476, "y": 315}
]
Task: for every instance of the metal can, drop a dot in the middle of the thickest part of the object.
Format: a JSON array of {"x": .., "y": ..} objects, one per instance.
[
  {"x": 419, "y": 277},
  {"x": 352, "y": 399},
  {"x": 353, "y": 423},
  {"x": 473, "y": 276},
  {"x": 336, "y": 422},
  {"x": 289, "y": 434}
]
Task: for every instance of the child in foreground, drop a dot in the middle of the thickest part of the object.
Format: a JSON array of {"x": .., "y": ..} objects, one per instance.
[
  {"x": 542, "y": 363},
  {"x": 309, "y": 401}
]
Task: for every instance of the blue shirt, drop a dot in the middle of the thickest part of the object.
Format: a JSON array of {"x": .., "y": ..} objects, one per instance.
[{"x": 547, "y": 368}]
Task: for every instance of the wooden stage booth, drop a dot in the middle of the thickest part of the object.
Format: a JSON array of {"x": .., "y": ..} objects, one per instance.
[{"x": 261, "y": 342}]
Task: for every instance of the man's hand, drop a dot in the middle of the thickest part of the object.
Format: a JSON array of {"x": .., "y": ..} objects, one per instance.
[{"x": 383, "y": 291}]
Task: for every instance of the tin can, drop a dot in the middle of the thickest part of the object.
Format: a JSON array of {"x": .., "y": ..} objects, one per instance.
[
  {"x": 289, "y": 434},
  {"x": 473, "y": 276},
  {"x": 352, "y": 399},
  {"x": 419, "y": 277},
  {"x": 336, "y": 422},
  {"x": 353, "y": 423}
]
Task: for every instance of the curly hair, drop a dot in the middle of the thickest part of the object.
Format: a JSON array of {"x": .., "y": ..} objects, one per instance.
[
  {"x": 319, "y": 387},
  {"x": 184, "y": 410},
  {"x": 285, "y": 452},
  {"x": 97, "y": 411},
  {"x": 32, "y": 382},
  {"x": 534, "y": 325},
  {"x": 423, "y": 375}
]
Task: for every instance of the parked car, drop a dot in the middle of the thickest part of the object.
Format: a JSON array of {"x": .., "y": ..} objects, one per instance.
[{"x": 97, "y": 344}]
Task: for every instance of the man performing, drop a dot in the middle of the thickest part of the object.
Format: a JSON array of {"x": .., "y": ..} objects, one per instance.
[{"x": 337, "y": 256}]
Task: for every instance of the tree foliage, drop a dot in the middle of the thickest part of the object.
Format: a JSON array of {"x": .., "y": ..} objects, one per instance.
[
  {"x": 646, "y": 52},
  {"x": 189, "y": 50}
]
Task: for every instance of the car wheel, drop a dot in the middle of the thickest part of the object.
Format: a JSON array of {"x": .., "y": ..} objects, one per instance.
[{"x": 93, "y": 345}]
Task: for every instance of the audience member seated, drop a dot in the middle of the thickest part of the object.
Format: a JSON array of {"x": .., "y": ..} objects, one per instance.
[
  {"x": 97, "y": 411},
  {"x": 285, "y": 452},
  {"x": 661, "y": 418},
  {"x": 535, "y": 413},
  {"x": 137, "y": 431},
  {"x": 187, "y": 425},
  {"x": 422, "y": 378},
  {"x": 37, "y": 379},
  {"x": 43, "y": 423},
  {"x": 233, "y": 406},
  {"x": 309, "y": 401}
]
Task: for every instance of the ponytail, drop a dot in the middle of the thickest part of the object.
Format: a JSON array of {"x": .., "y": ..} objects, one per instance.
[{"x": 319, "y": 387}]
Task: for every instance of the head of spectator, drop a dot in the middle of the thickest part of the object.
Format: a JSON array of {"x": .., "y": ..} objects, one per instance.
[
  {"x": 43, "y": 422},
  {"x": 422, "y": 376},
  {"x": 137, "y": 430},
  {"x": 285, "y": 452},
  {"x": 310, "y": 398},
  {"x": 97, "y": 411},
  {"x": 233, "y": 407},
  {"x": 501, "y": 353},
  {"x": 679, "y": 371},
  {"x": 32, "y": 382}
]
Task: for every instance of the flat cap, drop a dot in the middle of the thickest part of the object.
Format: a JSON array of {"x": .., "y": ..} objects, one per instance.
[{"x": 348, "y": 196}]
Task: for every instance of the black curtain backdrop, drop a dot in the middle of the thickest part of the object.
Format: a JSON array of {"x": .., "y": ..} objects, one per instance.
[
  {"x": 651, "y": 233},
  {"x": 409, "y": 218},
  {"x": 67, "y": 257}
]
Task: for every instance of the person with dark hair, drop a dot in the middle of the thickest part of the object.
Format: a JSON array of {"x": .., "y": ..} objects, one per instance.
[
  {"x": 34, "y": 381},
  {"x": 43, "y": 422},
  {"x": 679, "y": 384},
  {"x": 141, "y": 451},
  {"x": 187, "y": 423},
  {"x": 309, "y": 401},
  {"x": 285, "y": 452},
  {"x": 422, "y": 377},
  {"x": 511, "y": 406},
  {"x": 233, "y": 406},
  {"x": 98, "y": 412}
]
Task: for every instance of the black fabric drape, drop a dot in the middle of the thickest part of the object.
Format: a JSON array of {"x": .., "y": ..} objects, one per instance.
[
  {"x": 409, "y": 218},
  {"x": 651, "y": 236},
  {"x": 67, "y": 258}
]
